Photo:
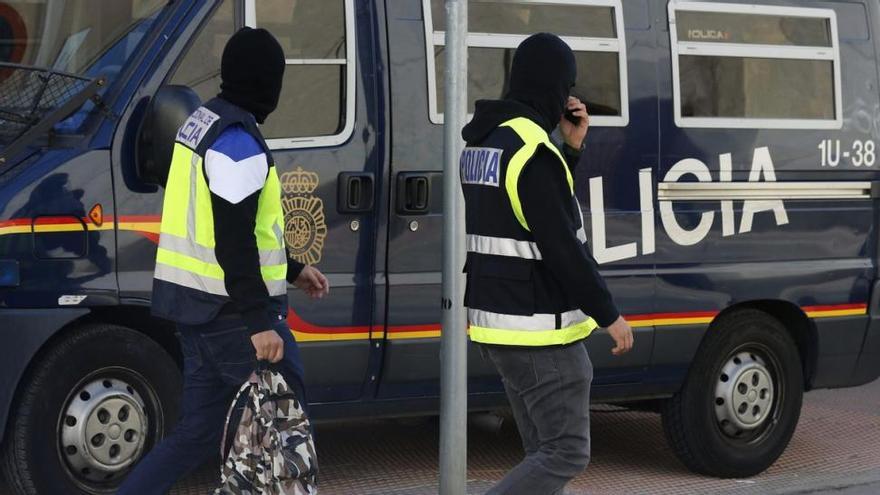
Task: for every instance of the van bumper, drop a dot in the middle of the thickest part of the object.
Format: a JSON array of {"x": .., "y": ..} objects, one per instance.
[
  {"x": 868, "y": 364},
  {"x": 837, "y": 349},
  {"x": 849, "y": 348}
]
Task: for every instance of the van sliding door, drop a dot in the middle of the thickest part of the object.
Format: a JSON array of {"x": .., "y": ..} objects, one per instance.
[{"x": 616, "y": 167}]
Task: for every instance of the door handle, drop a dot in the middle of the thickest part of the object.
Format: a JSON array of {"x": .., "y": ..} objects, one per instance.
[
  {"x": 354, "y": 192},
  {"x": 413, "y": 193}
]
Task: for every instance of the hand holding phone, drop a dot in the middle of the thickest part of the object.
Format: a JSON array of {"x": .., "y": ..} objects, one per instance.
[{"x": 574, "y": 123}]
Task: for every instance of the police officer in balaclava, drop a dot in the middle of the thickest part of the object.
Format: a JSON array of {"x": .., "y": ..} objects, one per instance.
[
  {"x": 534, "y": 292},
  {"x": 252, "y": 72},
  {"x": 225, "y": 324}
]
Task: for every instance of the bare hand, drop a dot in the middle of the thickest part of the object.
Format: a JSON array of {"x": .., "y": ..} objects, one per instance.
[
  {"x": 622, "y": 334},
  {"x": 312, "y": 282},
  {"x": 574, "y": 135},
  {"x": 269, "y": 346}
]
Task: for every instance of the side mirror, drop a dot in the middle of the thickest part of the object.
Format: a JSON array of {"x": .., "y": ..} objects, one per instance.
[{"x": 167, "y": 111}]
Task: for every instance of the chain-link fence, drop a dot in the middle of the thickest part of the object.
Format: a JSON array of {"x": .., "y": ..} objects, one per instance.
[{"x": 27, "y": 94}]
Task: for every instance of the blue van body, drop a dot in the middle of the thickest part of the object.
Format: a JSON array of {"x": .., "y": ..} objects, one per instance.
[{"x": 372, "y": 347}]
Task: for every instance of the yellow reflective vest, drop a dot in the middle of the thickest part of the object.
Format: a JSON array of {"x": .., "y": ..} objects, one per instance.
[{"x": 188, "y": 281}]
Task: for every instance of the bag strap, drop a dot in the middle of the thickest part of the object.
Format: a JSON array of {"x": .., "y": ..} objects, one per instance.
[{"x": 224, "y": 447}]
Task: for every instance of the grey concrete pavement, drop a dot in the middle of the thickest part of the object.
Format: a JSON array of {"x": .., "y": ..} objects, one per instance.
[
  {"x": 835, "y": 451},
  {"x": 865, "y": 489}
]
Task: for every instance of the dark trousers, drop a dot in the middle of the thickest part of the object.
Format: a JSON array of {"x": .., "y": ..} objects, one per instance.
[
  {"x": 549, "y": 392},
  {"x": 218, "y": 357}
]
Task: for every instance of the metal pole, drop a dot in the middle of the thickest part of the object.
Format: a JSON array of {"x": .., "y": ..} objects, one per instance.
[{"x": 453, "y": 341}]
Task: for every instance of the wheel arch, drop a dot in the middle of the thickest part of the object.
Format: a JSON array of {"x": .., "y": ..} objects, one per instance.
[
  {"x": 795, "y": 321},
  {"x": 55, "y": 324},
  {"x": 138, "y": 318}
]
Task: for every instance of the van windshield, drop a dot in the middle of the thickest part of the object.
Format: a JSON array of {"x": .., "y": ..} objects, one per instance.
[{"x": 91, "y": 38}]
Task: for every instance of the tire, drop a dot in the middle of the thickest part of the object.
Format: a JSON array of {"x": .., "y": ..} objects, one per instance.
[
  {"x": 730, "y": 429},
  {"x": 89, "y": 393}
]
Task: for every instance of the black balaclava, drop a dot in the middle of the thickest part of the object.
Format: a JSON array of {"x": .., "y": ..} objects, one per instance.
[
  {"x": 542, "y": 75},
  {"x": 251, "y": 72}
]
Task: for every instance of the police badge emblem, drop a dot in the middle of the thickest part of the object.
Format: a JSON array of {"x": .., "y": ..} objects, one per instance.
[{"x": 304, "y": 223}]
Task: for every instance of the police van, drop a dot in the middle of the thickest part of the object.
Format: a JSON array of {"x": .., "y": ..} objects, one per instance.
[{"x": 729, "y": 187}]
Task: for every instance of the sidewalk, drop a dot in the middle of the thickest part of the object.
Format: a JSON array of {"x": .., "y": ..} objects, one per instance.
[
  {"x": 835, "y": 451},
  {"x": 866, "y": 489}
]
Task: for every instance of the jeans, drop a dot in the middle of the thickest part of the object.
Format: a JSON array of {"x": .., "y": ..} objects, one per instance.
[
  {"x": 549, "y": 393},
  {"x": 218, "y": 357}
]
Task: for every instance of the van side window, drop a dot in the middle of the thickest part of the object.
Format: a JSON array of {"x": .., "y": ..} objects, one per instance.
[
  {"x": 317, "y": 101},
  {"x": 200, "y": 67},
  {"x": 750, "y": 66},
  {"x": 593, "y": 29}
]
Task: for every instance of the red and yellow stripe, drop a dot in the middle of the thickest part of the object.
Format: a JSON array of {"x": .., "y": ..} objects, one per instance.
[
  {"x": 148, "y": 226},
  {"x": 667, "y": 319},
  {"x": 831, "y": 311},
  {"x": 16, "y": 226},
  {"x": 307, "y": 332}
]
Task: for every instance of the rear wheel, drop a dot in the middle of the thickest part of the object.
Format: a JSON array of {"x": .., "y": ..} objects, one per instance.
[
  {"x": 94, "y": 404},
  {"x": 741, "y": 401}
]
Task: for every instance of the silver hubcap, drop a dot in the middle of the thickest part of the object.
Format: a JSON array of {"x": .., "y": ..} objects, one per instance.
[
  {"x": 744, "y": 394},
  {"x": 103, "y": 429}
]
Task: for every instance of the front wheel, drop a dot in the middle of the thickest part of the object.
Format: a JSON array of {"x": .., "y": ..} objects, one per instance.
[
  {"x": 95, "y": 403},
  {"x": 741, "y": 401}
]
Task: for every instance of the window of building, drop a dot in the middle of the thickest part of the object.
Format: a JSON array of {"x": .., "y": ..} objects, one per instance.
[
  {"x": 593, "y": 29},
  {"x": 750, "y": 66},
  {"x": 317, "y": 103}
]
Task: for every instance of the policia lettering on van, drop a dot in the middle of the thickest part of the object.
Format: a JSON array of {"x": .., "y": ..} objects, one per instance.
[{"x": 704, "y": 168}]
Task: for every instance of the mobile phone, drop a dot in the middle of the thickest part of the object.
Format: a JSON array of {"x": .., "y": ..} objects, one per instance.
[{"x": 569, "y": 116}]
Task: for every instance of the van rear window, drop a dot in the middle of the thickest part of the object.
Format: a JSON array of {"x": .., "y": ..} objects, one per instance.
[
  {"x": 593, "y": 29},
  {"x": 757, "y": 88},
  {"x": 752, "y": 66}
]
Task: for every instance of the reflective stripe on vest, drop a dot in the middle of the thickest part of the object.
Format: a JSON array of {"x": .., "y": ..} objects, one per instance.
[
  {"x": 534, "y": 330},
  {"x": 502, "y": 246},
  {"x": 186, "y": 254},
  {"x": 182, "y": 245}
]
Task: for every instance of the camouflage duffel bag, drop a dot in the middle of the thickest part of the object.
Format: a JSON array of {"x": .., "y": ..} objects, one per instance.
[{"x": 271, "y": 449}]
